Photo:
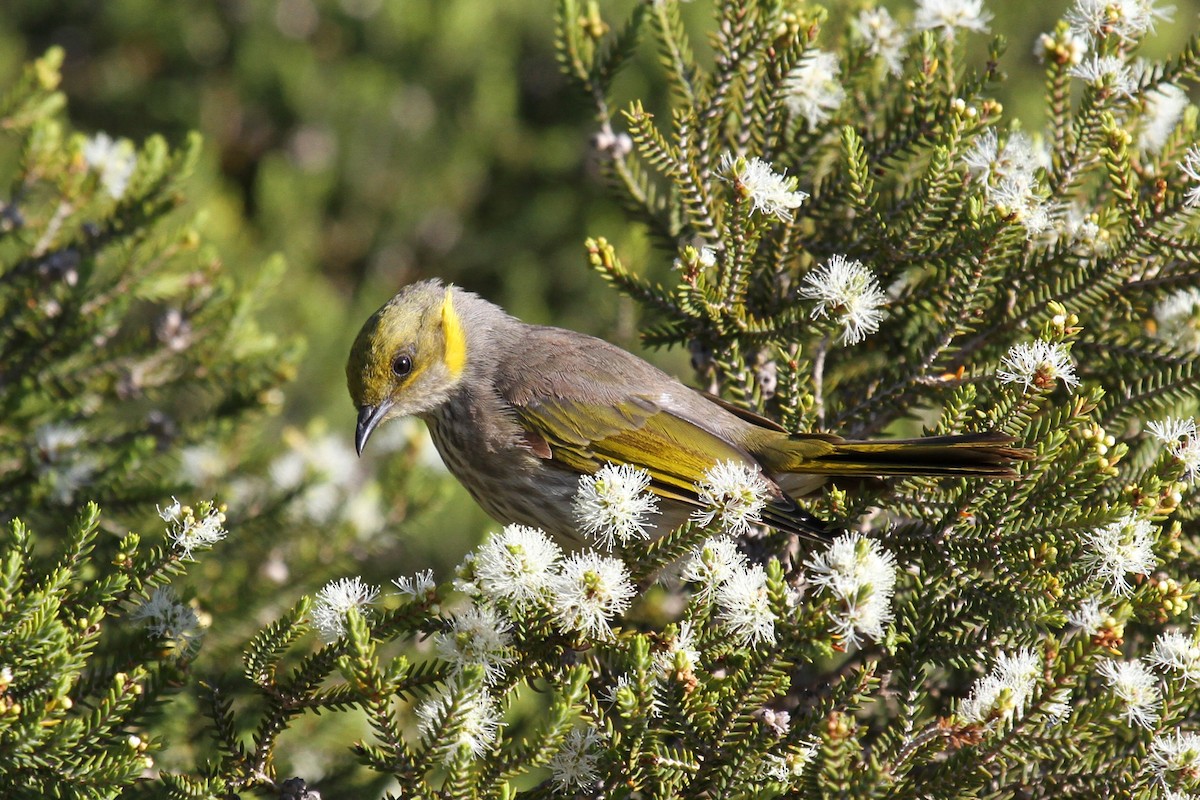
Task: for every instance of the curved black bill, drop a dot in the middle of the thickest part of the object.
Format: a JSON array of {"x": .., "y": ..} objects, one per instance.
[{"x": 369, "y": 418}]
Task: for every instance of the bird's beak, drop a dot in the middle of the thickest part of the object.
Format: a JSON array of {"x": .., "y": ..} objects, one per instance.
[{"x": 369, "y": 418}]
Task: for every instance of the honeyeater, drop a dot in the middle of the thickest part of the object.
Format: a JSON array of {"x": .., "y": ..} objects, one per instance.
[{"x": 520, "y": 412}]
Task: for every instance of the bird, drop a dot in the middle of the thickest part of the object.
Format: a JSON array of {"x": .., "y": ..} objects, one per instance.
[{"x": 520, "y": 413}]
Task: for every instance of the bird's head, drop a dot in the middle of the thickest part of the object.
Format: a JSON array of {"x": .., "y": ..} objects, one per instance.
[{"x": 408, "y": 358}]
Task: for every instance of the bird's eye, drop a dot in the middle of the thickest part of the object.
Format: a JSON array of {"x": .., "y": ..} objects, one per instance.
[{"x": 401, "y": 366}]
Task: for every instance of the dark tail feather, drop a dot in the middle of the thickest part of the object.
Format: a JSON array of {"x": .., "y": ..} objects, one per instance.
[{"x": 968, "y": 454}]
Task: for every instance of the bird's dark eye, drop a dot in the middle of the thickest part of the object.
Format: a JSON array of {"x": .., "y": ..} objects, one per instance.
[{"x": 401, "y": 366}]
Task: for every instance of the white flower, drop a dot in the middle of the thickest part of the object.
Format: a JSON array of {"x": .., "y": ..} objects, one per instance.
[
  {"x": 165, "y": 616},
  {"x": 681, "y": 654},
  {"x": 1178, "y": 316},
  {"x": 516, "y": 565},
  {"x": 113, "y": 160},
  {"x": 734, "y": 493},
  {"x": 613, "y": 505},
  {"x": 65, "y": 466},
  {"x": 1164, "y": 107},
  {"x": 468, "y": 710},
  {"x": 1004, "y": 692},
  {"x": 1190, "y": 166},
  {"x": 1107, "y": 71},
  {"x": 1038, "y": 364},
  {"x": 1009, "y": 177},
  {"x": 813, "y": 89},
  {"x": 712, "y": 564},
  {"x": 575, "y": 764},
  {"x": 201, "y": 463},
  {"x": 847, "y": 290},
  {"x": 1136, "y": 687},
  {"x": 744, "y": 607},
  {"x": 335, "y": 600},
  {"x": 1178, "y": 751},
  {"x": 772, "y": 193},
  {"x": 1176, "y": 652},
  {"x": 1179, "y": 436},
  {"x": 1070, "y": 48},
  {"x": 480, "y": 635},
  {"x": 187, "y": 532},
  {"x": 1090, "y": 617},
  {"x": 1127, "y": 19},
  {"x": 787, "y": 768},
  {"x": 861, "y": 577},
  {"x": 589, "y": 590},
  {"x": 417, "y": 587},
  {"x": 1118, "y": 549},
  {"x": 948, "y": 15},
  {"x": 882, "y": 36}
]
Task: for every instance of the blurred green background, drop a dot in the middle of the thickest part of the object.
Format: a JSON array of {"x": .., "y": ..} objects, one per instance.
[{"x": 375, "y": 142}]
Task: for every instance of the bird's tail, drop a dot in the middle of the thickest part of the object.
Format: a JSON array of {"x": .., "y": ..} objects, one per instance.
[{"x": 964, "y": 455}]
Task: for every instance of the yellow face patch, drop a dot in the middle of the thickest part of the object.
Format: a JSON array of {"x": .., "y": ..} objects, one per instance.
[{"x": 455, "y": 356}]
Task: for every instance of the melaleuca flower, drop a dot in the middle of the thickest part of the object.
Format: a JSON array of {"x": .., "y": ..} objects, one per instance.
[
  {"x": 1177, "y": 654},
  {"x": 516, "y": 565},
  {"x": 1136, "y": 687},
  {"x": 1119, "y": 549},
  {"x": 1109, "y": 72},
  {"x": 335, "y": 600},
  {"x": 712, "y": 564},
  {"x": 417, "y": 587},
  {"x": 1179, "y": 436},
  {"x": 1003, "y": 693},
  {"x": 771, "y": 193},
  {"x": 478, "y": 636},
  {"x": 166, "y": 617},
  {"x": 613, "y": 505},
  {"x": 1164, "y": 105},
  {"x": 861, "y": 577},
  {"x": 1038, "y": 365},
  {"x": 744, "y": 607},
  {"x": 1090, "y": 617},
  {"x": 574, "y": 766},
  {"x": 847, "y": 291},
  {"x": 788, "y": 768},
  {"x": 588, "y": 592},
  {"x": 113, "y": 160},
  {"x": 812, "y": 89},
  {"x": 882, "y": 36},
  {"x": 192, "y": 529},
  {"x": 1129, "y": 20},
  {"x": 734, "y": 493},
  {"x": 1176, "y": 752},
  {"x": 948, "y": 16}
]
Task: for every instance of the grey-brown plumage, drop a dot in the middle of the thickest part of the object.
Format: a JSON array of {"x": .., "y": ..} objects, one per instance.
[{"x": 519, "y": 412}]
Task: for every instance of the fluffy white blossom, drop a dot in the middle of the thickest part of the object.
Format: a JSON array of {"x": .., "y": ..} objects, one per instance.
[
  {"x": 712, "y": 564},
  {"x": 193, "y": 529},
  {"x": 1190, "y": 166},
  {"x": 613, "y": 505},
  {"x": 813, "y": 90},
  {"x": 1107, "y": 71},
  {"x": 772, "y": 193},
  {"x": 787, "y": 768},
  {"x": 1178, "y": 317},
  {"x": 883, "y": 38},
  {"x": 681, "y": 652},
  {"x": 478, "y": 636},
  {"x": 417, "y": 587},
  {"x": 1177, "y": 654},
  {"x": 1069, "y": 48},
  {"x": 335, "y": 600},
  {"x": 1119, "y": 549},
  {"x": 861, "y": 577},
  {"x": 1127, "y": 19},
  {"x": 1179, "y": 436},
  {"x": 947, "y": 16},
  {"x": 1091, "y": 617},
  {"x": 1008, "y": 175},
  {"x": 516, "y": 565},
  {"x": 1136, "y": 687},
  {"x": 1004, "y": 692},
  {"x": 589, "y": 590},
  {"x": 1038, "y": 364},
  {"x": 847, "y": 291},
  {"x": 1178, "y": 751},
  {"x": 744, "y": 607},
  {"x": 734, "y": 493},
  {"x": 65, "y": 466},
  {"x": 574, "y": 766},
  {"x": 475, "y": 718},
  {"x": 113, "y": 160},
  {"x": 1164, "y": 106},
  {"x": 166, "y": 617}
]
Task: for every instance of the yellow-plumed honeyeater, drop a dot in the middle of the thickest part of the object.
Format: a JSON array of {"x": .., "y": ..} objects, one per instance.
[{"x": 520, "y": 412}]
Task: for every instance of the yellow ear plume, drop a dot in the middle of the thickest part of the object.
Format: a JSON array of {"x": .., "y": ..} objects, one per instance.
[{"x": 455, "y": 356}]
